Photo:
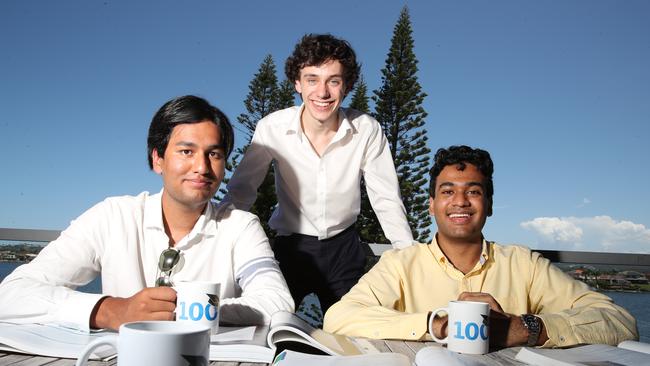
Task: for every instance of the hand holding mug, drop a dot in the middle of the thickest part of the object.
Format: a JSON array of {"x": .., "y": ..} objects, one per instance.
[
  {"x": 507, "y": 330},
  {"x": 154, "y": 303},
  {"x": 467, "y": 327},
  {"x": 198, "y": 302}
]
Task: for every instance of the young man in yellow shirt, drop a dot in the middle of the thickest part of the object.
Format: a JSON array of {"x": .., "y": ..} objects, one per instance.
[{"x": 532, "y": 302}]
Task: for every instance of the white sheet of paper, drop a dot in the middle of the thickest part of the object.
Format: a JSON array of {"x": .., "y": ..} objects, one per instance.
[{"x": 231, "y": 334}]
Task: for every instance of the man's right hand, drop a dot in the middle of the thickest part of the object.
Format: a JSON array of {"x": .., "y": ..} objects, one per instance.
[
  {"x": 439, "y": 326},
  {"x": 154, "y": 303}
]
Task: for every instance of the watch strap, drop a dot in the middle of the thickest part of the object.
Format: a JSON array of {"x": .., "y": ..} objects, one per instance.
[{"x": 534, "y": 326}]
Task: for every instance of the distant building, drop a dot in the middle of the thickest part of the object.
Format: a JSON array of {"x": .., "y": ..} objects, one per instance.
[
  {"x": 634, "y": 277},
  {"x": 7, "y": 256}
]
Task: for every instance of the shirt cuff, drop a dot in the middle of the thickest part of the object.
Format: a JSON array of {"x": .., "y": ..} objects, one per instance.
[
  {"x": 413, "y": 327},
  {"x": 559, "y": 331},
  {"x": 75, "y": 311},
  {"x": 403, "y": 244}
]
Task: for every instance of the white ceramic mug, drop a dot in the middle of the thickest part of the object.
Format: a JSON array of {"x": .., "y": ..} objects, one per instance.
[
  {"x": 156, "y": 343},
  {"x": 467, "y": 327},
  {"x": 198, "y": 302}
]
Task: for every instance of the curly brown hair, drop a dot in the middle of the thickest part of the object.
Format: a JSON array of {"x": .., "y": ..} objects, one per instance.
[{"x": 316, "y": 49}]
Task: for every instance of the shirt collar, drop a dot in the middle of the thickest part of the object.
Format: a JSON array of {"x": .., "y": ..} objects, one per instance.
[
  {"x": 153, "y": 212},
  {"x": 345, "y": 127},
  {"x": 442, "y": 259},
  {"x": 295, "y": 127},
  {"x": 205, "y": 226}
]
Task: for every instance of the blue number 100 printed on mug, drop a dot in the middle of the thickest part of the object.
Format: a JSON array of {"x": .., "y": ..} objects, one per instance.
[
  {"x": 471, "y": 331},
  {"x": 197, "y": 311},
  {"x": 468, "y": 327}
]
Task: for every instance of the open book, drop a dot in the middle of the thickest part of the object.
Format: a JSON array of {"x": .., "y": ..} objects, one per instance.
[
  {"x": 248, "y": 344},
  {"x": 627, "y": 353},
  {"x": 50, "y": 340},
  {"x": 286, "y": 331},
  {"x": 427, "y": 356},
  {"x": 292, "y": 358}
]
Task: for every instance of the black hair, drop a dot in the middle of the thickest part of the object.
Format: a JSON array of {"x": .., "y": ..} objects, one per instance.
[
  {"x": 461, "y": 156},
  {"x": 181, "y": 110},
  {"x": 316, "y": 49}
]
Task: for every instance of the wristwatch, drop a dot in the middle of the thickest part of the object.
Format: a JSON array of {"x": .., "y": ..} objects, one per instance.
[{"x": 534, "y": 326}]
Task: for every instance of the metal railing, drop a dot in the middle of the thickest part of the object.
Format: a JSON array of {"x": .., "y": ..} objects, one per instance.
[
  {"x": 563, "y": 256},
  {"x": 28, "y": 235},
  {"x": 556, "y": 256}
]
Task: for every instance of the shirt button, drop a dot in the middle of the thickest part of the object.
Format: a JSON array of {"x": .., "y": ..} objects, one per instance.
[
  {"x": 561, "y": 338},
  {"x": 413, "y": 333}
]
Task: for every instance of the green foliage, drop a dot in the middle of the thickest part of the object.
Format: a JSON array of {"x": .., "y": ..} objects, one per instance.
[
  {"x": 261, "y": 98},
  {"x": 285, "y": 97},
  {"x": 369, "y": 228},
  {"x": 360, "y": 96},
  {"x": 398, "y": 107},
  {"x": 264, "y": 97}
]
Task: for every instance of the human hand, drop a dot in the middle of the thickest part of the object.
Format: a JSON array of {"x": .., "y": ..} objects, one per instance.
[
  {"x": 506, "y": 330},
  {"x": 154, "y": 303},
  {"x": 438, "y": 325}
]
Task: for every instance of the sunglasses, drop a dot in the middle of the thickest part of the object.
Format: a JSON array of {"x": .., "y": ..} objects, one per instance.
[{"x": 168, "y": 260}]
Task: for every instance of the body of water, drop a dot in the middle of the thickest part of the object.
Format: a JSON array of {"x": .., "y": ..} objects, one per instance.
[
  {"x": 635, "y": 302},
  {"x": 94, "y": 287}
]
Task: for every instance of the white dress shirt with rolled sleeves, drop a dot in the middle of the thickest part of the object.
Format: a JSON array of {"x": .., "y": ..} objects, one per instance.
[
  {"x": 320, "y": 195},
  {"x": 121, "y": 238}
]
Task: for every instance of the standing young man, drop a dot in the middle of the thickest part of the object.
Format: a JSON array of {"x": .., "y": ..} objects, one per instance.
[
  {"x": 320, "y": 152},
  {"x": 139, "y": 242}
]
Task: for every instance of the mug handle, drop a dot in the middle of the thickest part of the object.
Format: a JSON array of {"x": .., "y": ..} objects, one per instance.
[
  {"x": 109, "y": 340},
  {"x": 430, "y": 327}
]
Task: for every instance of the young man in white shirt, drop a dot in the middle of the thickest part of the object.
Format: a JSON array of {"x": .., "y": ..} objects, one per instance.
[
  {"x": 142, "y": 244},
  {"x": 320, "y": 152}
]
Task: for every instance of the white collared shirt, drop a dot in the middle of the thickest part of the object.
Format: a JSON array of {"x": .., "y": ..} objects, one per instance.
[
  {"x": 320, "y": 195},
  {"x": 122, "y": 238}
]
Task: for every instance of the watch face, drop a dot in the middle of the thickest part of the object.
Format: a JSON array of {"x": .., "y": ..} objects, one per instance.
[{"x": 533, "y": 324}]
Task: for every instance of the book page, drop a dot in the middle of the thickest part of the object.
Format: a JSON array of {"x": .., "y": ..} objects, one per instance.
[
  {"x": 635, "y": 346},
  {"x": 243, "y": 344},
  {"x": 233, "y": 334},
  {"x": 594, "y": 354},
  {"x": 287, "y": 326},
  {"x": 51, "y": 340},
  {"x": 437, "y": 355},
  {"x": 291, "y": 358}
]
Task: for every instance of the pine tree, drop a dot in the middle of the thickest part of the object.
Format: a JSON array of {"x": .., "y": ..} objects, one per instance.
[
  {"x": 286, "y": 96},
  {"x": 264, "y": 97},
  {"x": 360, "y": 97},
  {"x": 261, "y": 98},
  {"x": 398, "y": 107},
  {"x": 369, "y": 228}
]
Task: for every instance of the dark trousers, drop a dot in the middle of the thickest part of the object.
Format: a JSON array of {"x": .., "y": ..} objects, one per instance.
[{"x": 329, "y": 267}]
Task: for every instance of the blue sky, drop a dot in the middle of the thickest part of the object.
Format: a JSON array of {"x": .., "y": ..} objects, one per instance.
[{"x": 557, "y": 91}]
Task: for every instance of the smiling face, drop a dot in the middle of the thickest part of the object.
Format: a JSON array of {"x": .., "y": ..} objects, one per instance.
[
  {"x": 460, "y": 206},
  {"x": 322, "y": 90},
  {"x": 193, "y": 165}
]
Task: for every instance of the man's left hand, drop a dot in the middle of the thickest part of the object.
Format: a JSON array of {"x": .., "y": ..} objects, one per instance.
[{"x": 506, "y": 330}]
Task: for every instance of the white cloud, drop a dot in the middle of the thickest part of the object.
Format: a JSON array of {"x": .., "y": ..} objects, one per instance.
[
  {"x": 554, "y": 229},
  {"x": 599, "y": 233},
  {"x": 585, "y": 202}
]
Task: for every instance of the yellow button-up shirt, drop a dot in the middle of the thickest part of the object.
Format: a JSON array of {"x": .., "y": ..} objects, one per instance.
[{"x": 393, "y": 299}]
